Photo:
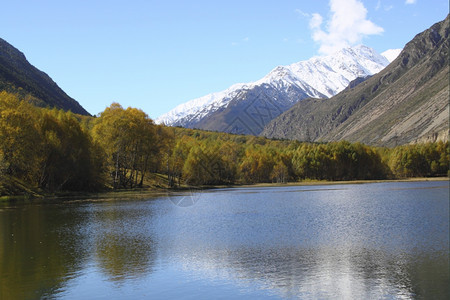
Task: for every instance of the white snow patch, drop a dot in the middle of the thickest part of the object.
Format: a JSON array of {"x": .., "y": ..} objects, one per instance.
[{"x": 391, "y": 54}]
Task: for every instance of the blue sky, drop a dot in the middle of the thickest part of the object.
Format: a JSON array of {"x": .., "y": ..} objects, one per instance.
[{"x": 155, "y": 55}]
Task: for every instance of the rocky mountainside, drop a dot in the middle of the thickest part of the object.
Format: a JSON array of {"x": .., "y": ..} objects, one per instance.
[
  {"x": 406, "y": 102},
  {"x": 17, "y": 75},
  {"x": 247, "y": 108}
]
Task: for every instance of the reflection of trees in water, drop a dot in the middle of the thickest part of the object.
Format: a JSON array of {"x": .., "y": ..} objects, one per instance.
[
  {"x": 43, "y": 247},
  {"x": 123, "y": 247},
  {"x": 122, "y": 257},
  {"x": 429, "y": 276},
  {"x": 36, "y": 250},
  {"x": 329, "y": 273}
]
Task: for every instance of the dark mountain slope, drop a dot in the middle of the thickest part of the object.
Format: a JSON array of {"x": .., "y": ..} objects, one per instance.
[
  {"x": 19, "y": 76},
  {"x": 251, "y": 109},
  {"x": 404, "y": 103}
]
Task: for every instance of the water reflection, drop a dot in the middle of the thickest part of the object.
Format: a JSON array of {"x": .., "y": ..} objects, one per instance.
[
  {"x": 123, "y": 247},
  {"x": 325, "y": 273},
  {"x": 346, "y": 242},
  {"x": 36, "y": 255},
  {"x": 360, "y": 242},
  {"x": 44, "y": 247}
]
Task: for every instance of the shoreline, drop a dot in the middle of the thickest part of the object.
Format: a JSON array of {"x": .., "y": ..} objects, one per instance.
[
  {"x": 155, "y": 192},
  {"x": 325, "y": 182}
]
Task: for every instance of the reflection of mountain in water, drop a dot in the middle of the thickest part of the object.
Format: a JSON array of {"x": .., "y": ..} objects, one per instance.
[
  {"x": 384, "y": 240},
  {"x": 348, "y": 241},
  {"x": 327, "y": 273}
]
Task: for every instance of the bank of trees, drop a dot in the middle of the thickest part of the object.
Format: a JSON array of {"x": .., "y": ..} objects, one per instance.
[
  {"x": 120, "y": 148},
  {"x": 338, "y": 161},
  {"x": 420, "y": 160},
  {"x": 45, "y": 148}
]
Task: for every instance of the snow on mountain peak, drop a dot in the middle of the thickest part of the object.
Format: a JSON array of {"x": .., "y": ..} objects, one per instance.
[
  {"x": 318, "y": 77},
  {"x": 391, "y": 54}
]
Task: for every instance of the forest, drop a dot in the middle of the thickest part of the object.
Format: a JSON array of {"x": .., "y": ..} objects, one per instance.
[{"x": 53, "y": 150}]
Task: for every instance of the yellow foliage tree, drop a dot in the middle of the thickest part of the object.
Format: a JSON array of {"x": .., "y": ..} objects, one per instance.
[
  {"x": 20, "y": 140},
  {"x": 128, "y": 137}
]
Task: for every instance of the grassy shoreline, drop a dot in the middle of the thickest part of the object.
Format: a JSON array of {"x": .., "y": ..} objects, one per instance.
[
  {"x": 155, "y": 192},
  {"x": 326, "y": 182}
]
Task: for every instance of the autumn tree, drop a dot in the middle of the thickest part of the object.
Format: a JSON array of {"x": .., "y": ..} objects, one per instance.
[
  {"x": 128, "y": 139},
  {"x": 279, "y": 173},
  {"x": 206, "y": 164},
  {"x": 428, "y": 159},
  {"x": 19, "y": 136},
  {"x": 312, "y": 162},
  {"x": 257, "y": 164},
  {"x": 177, "y": 158},
  {"x": 66, "y": 161}
]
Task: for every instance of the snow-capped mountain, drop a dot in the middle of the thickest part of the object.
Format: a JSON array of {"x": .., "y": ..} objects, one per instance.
[
  {"x": 318, "y": 77},
  {"x": 391, "y": 54}
]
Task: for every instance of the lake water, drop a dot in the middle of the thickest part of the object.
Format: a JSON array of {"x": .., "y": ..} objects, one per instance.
[{"x": 362, "y": 241}]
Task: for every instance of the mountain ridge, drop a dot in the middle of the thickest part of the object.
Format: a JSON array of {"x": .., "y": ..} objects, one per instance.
[
  {"x": 406, "y": 102},
  {"x": 17, "y": 75},
  {"x": 320, "y": 76}
]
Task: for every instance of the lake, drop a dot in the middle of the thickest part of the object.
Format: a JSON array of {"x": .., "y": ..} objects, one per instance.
[{"x": 349, "y": 241}]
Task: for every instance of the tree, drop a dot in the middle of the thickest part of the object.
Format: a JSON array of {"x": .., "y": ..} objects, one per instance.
[
  {"x": 66, "y": 161},
  {"x": 209, "y": 163},
  {"x": 177, "y": 159},
  {"x": 20, "y": 139},
  {"x": 128, "y": 138},
  {"x": 257, "y": 164},
  {"x": 280, "y": 173},
  {"x": 312, "y": 161},
  {"x": 407, "y": 161}
]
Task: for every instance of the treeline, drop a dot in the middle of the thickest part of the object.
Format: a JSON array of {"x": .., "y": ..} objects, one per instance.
[
  {"x": 57, "y": 151},
  {"x": 49, "y": 149}
]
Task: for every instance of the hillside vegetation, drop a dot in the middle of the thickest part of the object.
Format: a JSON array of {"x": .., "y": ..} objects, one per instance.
[{"x": 49, "y": 150}]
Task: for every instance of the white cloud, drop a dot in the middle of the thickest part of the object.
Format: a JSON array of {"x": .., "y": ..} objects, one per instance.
[
  {"x": 378, "y": 5},
  {"x": 410, "y": 1},
  {"x": 385, "y": 7},
  {"x": 315, "y": 22},
  {"x": 348, "y": 25},
  {"x": 301, "y": 13}
]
